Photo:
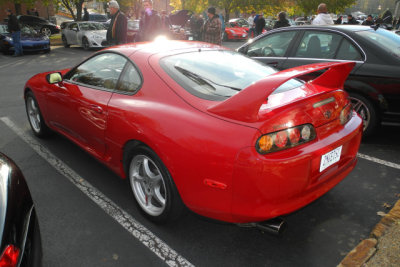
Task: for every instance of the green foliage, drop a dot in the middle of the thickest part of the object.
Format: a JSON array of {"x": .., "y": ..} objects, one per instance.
[{"x": 334, "y": 6}]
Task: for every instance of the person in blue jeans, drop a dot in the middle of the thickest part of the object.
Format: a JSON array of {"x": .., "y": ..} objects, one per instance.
[{"x": 15, "y": 30}]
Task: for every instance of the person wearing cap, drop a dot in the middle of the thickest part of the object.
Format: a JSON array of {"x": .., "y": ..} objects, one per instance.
[
  {"x": 212, "y": 30},
  {"x": 15, "y": 30},
  {"x": 116, "y": 32},
  {"x": 150, "y": 22}
]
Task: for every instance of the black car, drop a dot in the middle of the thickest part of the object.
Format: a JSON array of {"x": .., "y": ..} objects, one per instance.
[
  {"x": 20, "y": 242},
  {"x": 39, "y": 24},
  {"x": 373, "y": 84}
]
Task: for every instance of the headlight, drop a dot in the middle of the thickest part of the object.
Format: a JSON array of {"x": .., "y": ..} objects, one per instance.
[
  {"x": 8, "y": 39},
  {"x": 285, "y": 139}
]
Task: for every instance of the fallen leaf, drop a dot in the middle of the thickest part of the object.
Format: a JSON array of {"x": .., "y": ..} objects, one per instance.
[{"x": 381, "y": 213}]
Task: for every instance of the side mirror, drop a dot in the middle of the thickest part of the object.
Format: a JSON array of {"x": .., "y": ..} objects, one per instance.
[
  {"x": 243, "y": 50},
  {"x": 53, "y": 78}
]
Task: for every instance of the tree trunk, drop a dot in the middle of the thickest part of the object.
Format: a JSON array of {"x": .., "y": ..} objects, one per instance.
[{"x": 17, "y": 9}]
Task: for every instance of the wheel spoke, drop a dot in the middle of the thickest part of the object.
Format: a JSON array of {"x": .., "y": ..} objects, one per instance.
[
  {"x": 158, "y": 196},
  {"x": 147, "y": 171}
]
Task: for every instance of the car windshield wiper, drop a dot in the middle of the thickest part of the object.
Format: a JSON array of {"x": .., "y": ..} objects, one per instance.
[{"x": 197, "y": 77}]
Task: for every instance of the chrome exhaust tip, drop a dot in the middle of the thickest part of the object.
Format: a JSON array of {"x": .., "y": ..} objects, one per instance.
[{"x": 274, "y": 226}]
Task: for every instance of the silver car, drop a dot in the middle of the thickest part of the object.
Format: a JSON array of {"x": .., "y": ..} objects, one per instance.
[{"x": 87, "y": 34}]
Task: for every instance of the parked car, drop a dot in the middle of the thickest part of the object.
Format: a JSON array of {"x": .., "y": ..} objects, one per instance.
[
  {"x": 40, "y": 24},
  {"x": 180, "y": 25},
  {"x": 133, "y": 30},
  {"x": 97, "y": 17},
  {"x": 196, "y": 124},
  {"x": 373, "y": 85},
  {"x": 232, "y": 32},
  {"x": 20, "y": 241},
  {"x": 31, "y": 40},
  {"x": 88, "y": 34}
]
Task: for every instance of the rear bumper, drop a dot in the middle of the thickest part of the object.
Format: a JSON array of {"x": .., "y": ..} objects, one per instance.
[{"x": 267, "y": 186}]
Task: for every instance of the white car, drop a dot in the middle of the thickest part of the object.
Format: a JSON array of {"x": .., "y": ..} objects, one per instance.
[{"x": 87, "y": 34}]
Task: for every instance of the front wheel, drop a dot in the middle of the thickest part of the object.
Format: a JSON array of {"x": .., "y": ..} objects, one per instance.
[
  {"x": 153, "y": 187},
  {"x": 35, "y": 117},
  {"x": 64, "y": 40},
  {"x": 46, "y": 31},
  {"x": 367, "y": 111}
]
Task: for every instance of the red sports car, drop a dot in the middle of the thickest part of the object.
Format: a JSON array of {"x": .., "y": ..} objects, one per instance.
[
  {"x": 197, "y": 125},
  {"x": 233, "y": 32}
]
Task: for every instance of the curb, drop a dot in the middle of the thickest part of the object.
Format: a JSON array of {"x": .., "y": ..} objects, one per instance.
[{"x": 367, "y": 247}]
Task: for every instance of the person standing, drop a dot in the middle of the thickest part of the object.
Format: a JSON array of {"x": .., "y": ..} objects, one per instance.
[
  {"x": 196, "y": 22},
  {"x": 351, "y": 20},
  {"x": 116, "y": 32},
  {"x": 323, "y": 18},
  {"x": 282, "y": 21},
  {"x": 150, "y": 22},
  {"x": 212, "y": 29},
  {"x": 85, "y": 14},
  {"x": 339, "y": 20},
  {"x": 165, "y": 23},
  {"x": 250, "y": 21},
  {"x": 15, "y": 30},
  {"x": 260, "y": 24},
  {"x": 369, "y": 21}
]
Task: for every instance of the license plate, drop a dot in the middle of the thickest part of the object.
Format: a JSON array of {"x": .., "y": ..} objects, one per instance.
[{"x": 330, "y": 158}]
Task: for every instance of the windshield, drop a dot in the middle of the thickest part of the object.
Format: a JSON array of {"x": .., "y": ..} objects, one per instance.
[
  {"x": 90, "y": 26},
  {"x": 217, "y": 75},
  {"x": 386, "y": 40}
]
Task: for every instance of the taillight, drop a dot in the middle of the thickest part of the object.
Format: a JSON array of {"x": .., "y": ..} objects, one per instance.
[
  {"x": 346, "y": 114},
  {"x": 9, "y": 258},
  {"x": 285, "y": 139}
]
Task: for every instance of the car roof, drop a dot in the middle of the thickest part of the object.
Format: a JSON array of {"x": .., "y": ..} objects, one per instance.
[{"x": 344, "y": 28}]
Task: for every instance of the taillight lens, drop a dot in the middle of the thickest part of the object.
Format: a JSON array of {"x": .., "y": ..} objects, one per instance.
[
  {"x": 285, "y": 139},
  {"x": 346, "y": 114},
  {"x": 9, "y": 258}
]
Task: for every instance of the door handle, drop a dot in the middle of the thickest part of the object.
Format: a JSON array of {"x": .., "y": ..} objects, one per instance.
[
  {"x": 273, "y": 64},
  {"x": 97, "y": 109}
]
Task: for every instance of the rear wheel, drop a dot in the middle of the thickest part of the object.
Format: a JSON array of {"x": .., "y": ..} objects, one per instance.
[
  {"x": 153, "y": 187},
  {"x": 367, "y": 111},
  {"x": 85, "y": 43},
  {"x": 35, "y": 117},
  {"x": 225, "y": 37},
  {"x": 65, "y": 42}
]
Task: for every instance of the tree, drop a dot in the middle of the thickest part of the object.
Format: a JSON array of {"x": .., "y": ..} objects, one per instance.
[{"x": 334, "y": 6}]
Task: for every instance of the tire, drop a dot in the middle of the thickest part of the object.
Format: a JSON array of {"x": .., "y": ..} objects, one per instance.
[
  {"x": 367, "y": 111},
  {"x": 85, "y": 43},
  {"x": 46, "y": 31},
  {"x": 35, "y": 117},
  {"x": 64, "y": 40},
  {"x": 152, "y": 186}
]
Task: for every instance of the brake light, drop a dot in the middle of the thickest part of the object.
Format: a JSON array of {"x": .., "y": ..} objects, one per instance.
[
  {"x": 346, "y": 114},
  {"x": 285, "y": 139},
  {"x": 9, "y": 258}
]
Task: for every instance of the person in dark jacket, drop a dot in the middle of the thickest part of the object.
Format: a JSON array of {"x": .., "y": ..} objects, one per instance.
[
  {"x": 212, "y": 29},
  {"x": 282, "y": 21},
  {"x": 351, "y": 20},
  {"x": 369, "y": 21},
  {"x": 260, "y": 24},
  {"x": 116, "y": 32},
  {"x": 15, "y": 30},
  {"x": 339, "y": 20},
  {"x": 196, "y": 22},
  {"x": 150, "y": 22},
  {"x": 165, "y": 23},
  {"x": 85, "y": 14}
]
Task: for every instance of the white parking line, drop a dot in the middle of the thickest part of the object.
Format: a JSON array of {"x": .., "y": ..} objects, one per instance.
[
  {"x": 380, "y": 161},
  {"x": 147, "y": 238}
]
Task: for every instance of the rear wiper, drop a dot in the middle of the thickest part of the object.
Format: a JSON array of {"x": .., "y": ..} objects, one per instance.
[{"x": 204, "y": 80}]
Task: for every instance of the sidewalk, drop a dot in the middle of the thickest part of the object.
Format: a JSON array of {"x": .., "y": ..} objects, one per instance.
[{"x": 382, "y": 248}]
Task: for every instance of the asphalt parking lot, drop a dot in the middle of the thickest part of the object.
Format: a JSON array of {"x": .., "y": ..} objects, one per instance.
[{"x": 87, "y": 214}]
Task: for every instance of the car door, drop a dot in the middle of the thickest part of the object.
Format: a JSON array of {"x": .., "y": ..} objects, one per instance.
[
  {"x": 315, "y": 46},
  {"x": 271, "y": 49},
  {"x": 72, "y": 33},
  {"x": 79, "y": 105}
]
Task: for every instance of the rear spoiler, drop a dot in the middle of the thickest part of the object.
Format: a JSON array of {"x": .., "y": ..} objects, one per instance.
[{"x": 245, "y": 105}]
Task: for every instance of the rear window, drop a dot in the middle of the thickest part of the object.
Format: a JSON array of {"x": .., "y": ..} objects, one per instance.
[
  {"x": 386, "y": 40},
  {"x": 218, "y": 75}
]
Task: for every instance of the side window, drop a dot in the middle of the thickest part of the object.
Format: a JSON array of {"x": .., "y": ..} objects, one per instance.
[
  {"x": 315, "y": 44},
  {"x": 130, "y": 79},
  {"x": 73, "y": 26},
  {"x": 100, "y": 71},
  {"x": 347, "y": 51},
  {"x": 274, "y": 45}
]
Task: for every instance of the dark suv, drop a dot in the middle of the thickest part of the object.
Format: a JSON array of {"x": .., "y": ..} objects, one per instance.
[{"x": 39, "y": 24}]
